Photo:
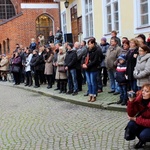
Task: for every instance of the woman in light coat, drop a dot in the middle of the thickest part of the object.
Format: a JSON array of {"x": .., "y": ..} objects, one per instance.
[
  {"x": 4, "y": 65},
  {"x": 48, "y": 58},
  {"x": 28, "y": 67},
  {"x": 61, "y": 76},
  {"x": 142, "y": 68}
]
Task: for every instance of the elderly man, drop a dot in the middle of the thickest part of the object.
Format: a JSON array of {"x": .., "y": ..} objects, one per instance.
[{"x": 111, "y": 56}]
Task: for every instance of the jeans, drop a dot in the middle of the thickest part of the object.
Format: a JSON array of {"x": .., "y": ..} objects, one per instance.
[
  {"x": 91, "y": 78},
  {"x": 133, "y": 85},
  {"x": 72, "y": 80},
  {"x": 123, "y": 93},
  {"x": 143, "y": 133},
  {"x": 113, "y": 84}
]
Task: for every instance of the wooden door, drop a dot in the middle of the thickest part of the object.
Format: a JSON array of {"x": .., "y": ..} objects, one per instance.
[{"x": 74, "y": 23}]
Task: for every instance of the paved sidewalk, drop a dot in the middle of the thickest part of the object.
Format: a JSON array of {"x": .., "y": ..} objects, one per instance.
[{"x": 104, "y": 100}]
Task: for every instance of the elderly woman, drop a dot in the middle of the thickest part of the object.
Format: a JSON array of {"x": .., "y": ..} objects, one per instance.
[
  {"x": 4, "y": 64},
  {"x": 142, "y": 68},
  {"x": 61, "y": 75},
  {"x": 139, "y": 115}
]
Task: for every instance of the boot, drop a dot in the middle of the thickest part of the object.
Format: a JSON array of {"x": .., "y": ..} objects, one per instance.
[
  {"x": 61, "y": 87},
  {"x": 90, "y": 98},
  {"x": 93, "y": 99}
]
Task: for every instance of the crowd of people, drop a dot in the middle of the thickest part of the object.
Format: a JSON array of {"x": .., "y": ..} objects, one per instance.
[{"x": 126, "y": 63}]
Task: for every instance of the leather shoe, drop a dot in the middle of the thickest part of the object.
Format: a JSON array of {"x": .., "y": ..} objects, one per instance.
[
  {"x": 116, "y": 93},
  {"x": 86, "y": 94},
  {"x": 140, "y": 144},
  {"x": 56, "y": 89},
  {"x": 119, "y": 102},
  {"x": 74, "y": 93},
  {"x": 111, "y": 91}
]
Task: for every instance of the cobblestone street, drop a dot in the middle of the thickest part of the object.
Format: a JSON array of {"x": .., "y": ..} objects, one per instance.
[{"x": 30, "y": 121}]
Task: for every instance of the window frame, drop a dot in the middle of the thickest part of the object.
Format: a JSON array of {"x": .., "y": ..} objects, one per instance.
[
  {"x": 112, "y": 16},
  {"x": 64, "y": 23},
  {"x": 88, "y": 28},
  {"x": 138, "y": 27},
  {"x": 9, "y": 10}
]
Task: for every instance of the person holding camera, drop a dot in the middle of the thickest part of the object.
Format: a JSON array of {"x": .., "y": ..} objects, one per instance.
[
  {"x": 142, "y": 68},
  {"x": 138, "y": 110}
]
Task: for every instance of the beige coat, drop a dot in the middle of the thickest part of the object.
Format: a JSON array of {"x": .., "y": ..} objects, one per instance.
[
  {"x": 111, "y": 57},
  {"x": 49, "y": 65},
  {"x": 60, "y": 62},
  {"x": 4, "y": 64}
]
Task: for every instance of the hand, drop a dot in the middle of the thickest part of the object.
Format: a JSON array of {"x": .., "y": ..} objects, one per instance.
[
  {"x": 66, "y": 68},
  {"x": 84, "y": 66},
  {"x": 132, "y": 118},
  {"x": 135, "y": 55}
]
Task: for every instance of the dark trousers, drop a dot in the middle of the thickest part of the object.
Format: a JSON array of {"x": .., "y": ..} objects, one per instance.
[
  {"x": 104, "y": 75},
  {"x": 16, "y": 77},
  {"x": 123, "y": 93},
  {"x": 143, "y": 133},
  {"x": 42, "y": 77},
  {"x": 79, "y": 79},
  {"x": 28, "y": 78},
  {"x": 37, "y": 77},
  {"x": 49, "y": 80}
]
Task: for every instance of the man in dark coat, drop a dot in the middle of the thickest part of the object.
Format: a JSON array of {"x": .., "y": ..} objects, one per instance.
[{"x": 70, "y": 66}]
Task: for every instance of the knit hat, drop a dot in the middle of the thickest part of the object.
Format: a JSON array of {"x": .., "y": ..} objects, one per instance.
[
  {"x": 103, "y": 39},
  {"x": 4, "y": 55},
  {"x": 122, "y": 56},
  {"x": 70, "y": 44}
]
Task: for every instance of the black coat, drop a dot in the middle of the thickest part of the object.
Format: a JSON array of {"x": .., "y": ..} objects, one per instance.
[
  {"x": 94, "y": 59},
  {"x": 131, "y": 62},
  {"x": 71, "y": 59},
  {"x": 50, "y": 39},
  {"x": 35, "y": 63}
]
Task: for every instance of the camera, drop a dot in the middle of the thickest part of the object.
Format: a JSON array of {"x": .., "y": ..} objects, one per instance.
[{"x": 131, "y": 94}]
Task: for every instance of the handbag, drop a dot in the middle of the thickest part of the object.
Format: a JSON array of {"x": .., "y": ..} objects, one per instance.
[
  {"x": 129, "y": 135},
  {"x": 15, "y": 69},
  {"x": 61, "y": 69}
]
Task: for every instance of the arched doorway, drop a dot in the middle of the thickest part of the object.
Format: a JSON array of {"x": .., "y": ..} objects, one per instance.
[{"x": 44, "y": 24}]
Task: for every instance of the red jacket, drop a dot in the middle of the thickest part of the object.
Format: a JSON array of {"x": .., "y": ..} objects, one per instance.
[{"x": 135, "y": 107}]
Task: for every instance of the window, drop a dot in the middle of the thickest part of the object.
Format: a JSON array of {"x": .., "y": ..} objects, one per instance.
[
  {"x": 0, "y": 48},
  {"x": 6, "y": 9},
  {"x": 89, "y": 18},
  {"x": 44, "y": 24},
  {"x": 64, "y": 24},
  {"x": 143, "y": 13},
  {"x": 8, "y": 47},
  {"x": 111, "y": 15},
  {"x": 4, "y": 47}
]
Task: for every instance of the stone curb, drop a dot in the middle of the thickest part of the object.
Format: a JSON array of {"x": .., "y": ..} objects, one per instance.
[{"x": 92, "y": 105}]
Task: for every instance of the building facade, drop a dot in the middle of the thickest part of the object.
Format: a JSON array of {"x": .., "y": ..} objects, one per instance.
[
  {"x": 21, "y": 20},
  {"x": 97, "y": 18}
]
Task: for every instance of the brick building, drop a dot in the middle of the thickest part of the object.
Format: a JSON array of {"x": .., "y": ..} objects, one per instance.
[{"x": 21, "y": 20}]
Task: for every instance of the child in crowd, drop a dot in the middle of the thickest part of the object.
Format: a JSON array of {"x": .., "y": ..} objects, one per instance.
[{"x": 121, "y": 79}]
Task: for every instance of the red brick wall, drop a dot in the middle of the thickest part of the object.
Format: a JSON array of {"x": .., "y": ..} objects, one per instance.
[{"x": 22, "y": 29}]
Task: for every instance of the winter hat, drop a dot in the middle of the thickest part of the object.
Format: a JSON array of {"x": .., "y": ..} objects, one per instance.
[
  {"x": 103, "y": 39},
  {"x": 70, "y": 44},
  {"x": 122, "y": 56},
  {"x": 4, "y": 55}
]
